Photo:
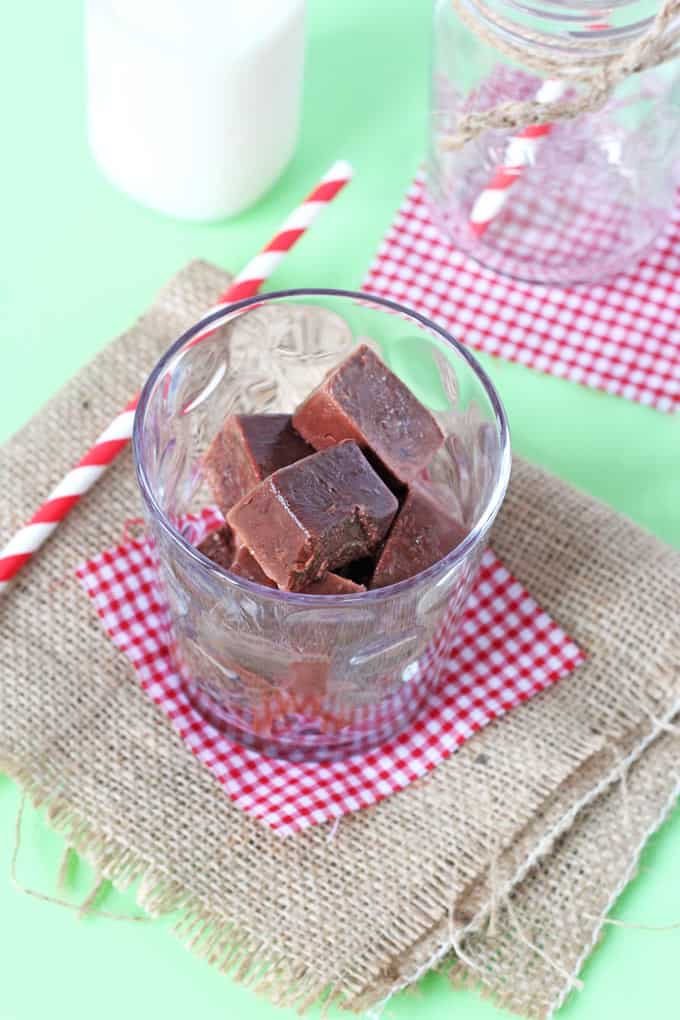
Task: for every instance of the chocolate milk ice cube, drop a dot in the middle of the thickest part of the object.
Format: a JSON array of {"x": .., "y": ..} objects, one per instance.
[
  {"x": 218, "y": 546},
  {"x": 363, "y": 400},
  {"x": 423, "y": 533},
  {"x": 247, "y": 449},
  {"x": 319, "y": 513},
  {"x": 245, "y": 565},
  {"x": 333, "y": 584}
]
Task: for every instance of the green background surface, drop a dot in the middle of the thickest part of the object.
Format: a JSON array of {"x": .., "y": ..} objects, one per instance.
[{"x": 79, "y": 261}]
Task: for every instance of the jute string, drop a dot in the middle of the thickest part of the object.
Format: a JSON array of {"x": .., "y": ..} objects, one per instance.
[
  {"x": 84, "y": 909},
  {"x": 637, "y": 927},
  {"x": 595, "y": 77}
]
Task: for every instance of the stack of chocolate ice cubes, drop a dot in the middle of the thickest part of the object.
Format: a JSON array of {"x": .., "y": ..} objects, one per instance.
[{"x": 331, "y": 500}]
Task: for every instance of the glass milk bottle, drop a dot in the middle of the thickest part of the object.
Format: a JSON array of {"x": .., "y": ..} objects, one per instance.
[
  {"x": 562, "y": 202},
  {"x": 194, "y": 105}
]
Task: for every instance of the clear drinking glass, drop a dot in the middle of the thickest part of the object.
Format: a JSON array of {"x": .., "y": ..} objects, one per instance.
[
  {"x": 310, "y": 676},
  {"x": 570, "y": 202}
]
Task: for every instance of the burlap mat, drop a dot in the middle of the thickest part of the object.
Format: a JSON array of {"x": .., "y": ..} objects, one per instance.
[{"x": 356, "y": 915}]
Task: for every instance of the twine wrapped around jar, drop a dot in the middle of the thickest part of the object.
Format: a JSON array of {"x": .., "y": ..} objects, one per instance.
[{"x": 596, "y": 75}]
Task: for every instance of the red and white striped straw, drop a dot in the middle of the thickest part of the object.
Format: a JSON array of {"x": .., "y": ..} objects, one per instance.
[
  {"x": 520, "y": 153},
  {"x": 25, "y": 544}
]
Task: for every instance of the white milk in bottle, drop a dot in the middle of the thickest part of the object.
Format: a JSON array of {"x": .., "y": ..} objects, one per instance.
[{"x": 194, "y": 105}]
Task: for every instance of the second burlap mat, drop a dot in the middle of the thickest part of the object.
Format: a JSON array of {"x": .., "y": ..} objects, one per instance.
[{"x": 356, "y": 915}]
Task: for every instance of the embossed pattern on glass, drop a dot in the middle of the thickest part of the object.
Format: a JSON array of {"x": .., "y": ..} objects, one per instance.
[{"x": 296, "y": 675}]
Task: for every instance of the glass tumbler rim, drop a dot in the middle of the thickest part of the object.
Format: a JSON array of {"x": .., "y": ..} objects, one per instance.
[{"x": 213, "y": 318}]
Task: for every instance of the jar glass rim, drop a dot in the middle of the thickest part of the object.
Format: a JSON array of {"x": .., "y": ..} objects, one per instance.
[{"x": 214, "y": 318}]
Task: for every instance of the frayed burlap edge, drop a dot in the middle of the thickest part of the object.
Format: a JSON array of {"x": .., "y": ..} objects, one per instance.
[
  {"x": 449, "y": 938},
  {"x": 219, "y": 942},
  {"x": 628, "y": 875},
  {"x": 657, "y": 769},
  {"x": 201, "y": 930}
]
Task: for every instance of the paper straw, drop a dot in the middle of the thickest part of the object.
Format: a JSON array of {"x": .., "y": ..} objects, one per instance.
[
  {"x": 521, "y": 152},
  {"x": 70, "y": 490}
]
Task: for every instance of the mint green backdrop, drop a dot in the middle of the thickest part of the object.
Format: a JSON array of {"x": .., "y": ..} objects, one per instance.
[{"x": 78, "y": 262}]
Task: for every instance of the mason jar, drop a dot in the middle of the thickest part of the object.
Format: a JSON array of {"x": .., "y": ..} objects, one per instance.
[{"x": 564, "y": 202}]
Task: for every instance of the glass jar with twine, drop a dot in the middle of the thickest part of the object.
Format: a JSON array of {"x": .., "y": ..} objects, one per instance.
[{"x": 554, "y": 132}]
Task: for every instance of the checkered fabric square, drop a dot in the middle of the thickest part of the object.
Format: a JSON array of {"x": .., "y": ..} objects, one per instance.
[
  {"x": 505, "y": 650},
  {"x": 622, "y": 336}
]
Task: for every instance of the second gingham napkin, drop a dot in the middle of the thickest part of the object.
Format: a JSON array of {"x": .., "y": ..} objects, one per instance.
[
  {"x": 622, "y": 336},
  {"x": 505, "y": 651}
]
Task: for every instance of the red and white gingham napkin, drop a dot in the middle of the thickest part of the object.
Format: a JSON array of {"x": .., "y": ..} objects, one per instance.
[
  {"x": 622, "y": 336},
  {"x": 505, "y": 651}
]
